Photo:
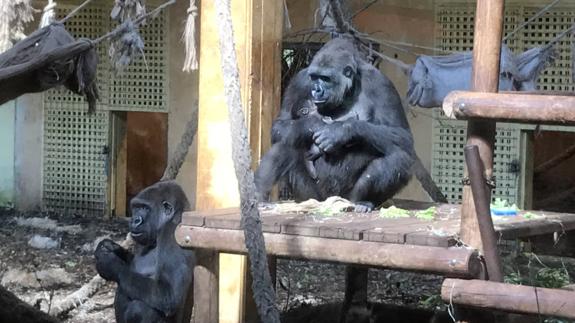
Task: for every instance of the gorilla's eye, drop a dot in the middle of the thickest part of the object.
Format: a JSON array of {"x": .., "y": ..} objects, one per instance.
[
  {"x": 324, "y": 78},
  {"x": 304, "y": 111},
  {"x": 348, "y": 71},
  {"x": 167, "y": 207}
]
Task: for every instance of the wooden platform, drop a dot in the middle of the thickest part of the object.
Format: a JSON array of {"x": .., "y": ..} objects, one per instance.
[
  {"x": 440, "y": 232},
  {"x": 408, "y": 243}
]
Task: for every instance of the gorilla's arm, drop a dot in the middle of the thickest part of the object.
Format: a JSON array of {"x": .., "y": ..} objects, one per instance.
[
  {"x": 382, "y": 139},
  {"x": 165, "y": 294},
  {"x": 295, "y": 133}
]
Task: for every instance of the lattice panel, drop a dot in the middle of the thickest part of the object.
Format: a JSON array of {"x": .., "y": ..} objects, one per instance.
[
  {"x": 538, "y": 33},
  {"x": 448, "y": 161},
  {"x": 143, "y": 86},
  {"x": 75, "y": 173},
  {"x": 455, "y": 23},
  {"x": 75, "y": 178}
]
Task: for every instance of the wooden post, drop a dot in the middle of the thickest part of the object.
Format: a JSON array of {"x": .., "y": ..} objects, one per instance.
[
  {"x": 258, "y": 34},
  {"x": 485, "y": 78},
  {"x": 118, "y": 197},
  {"x": 480, "y": 191},
  {"x": 526, "y": 170}
]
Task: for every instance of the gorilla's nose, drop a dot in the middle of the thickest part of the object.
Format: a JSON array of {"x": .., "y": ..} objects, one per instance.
[
  {"x": 136, "y": 221},
  {"x": 317, "y": 92}
]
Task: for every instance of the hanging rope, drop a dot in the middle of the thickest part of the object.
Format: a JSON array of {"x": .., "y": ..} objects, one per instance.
[
  {"x": 49, "y": 14},
  {"x": 189, "y": 38},
  {"x": 287, "y": 21},
  {"x": 14, "y": 15},
  {"x": 5, "y": 10}
]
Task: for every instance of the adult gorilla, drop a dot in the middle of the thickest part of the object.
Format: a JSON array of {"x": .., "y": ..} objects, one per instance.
[
  {"x": 155, "y": 282},
  {"x": 367, "y": 146}
]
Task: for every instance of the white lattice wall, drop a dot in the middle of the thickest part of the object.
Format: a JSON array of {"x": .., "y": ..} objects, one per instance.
[{"x": 76, "y": 145}]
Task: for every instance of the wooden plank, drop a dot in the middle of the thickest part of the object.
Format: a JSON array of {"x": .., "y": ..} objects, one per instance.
[
  {"x": 438, "y": 234},
  {"x": 392, "y": 230},
  {"x": 197, "y": 218},
  {"x": 511, "y": 298},
  {"x": 446, "y": 261},
  {"x": 526, "y": 174},
  {"x": 205, "y": 286},
  {"x": 516, "y": 107},
  {"x": 118, "y": 178},
  {"x": 348, "y": 228},
  {"x": 216, "y": 180},
  {"x": 485, "y": 78}
]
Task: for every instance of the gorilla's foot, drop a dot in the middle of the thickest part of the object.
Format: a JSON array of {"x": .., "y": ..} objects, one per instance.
[{"x": 363, "y": 207}]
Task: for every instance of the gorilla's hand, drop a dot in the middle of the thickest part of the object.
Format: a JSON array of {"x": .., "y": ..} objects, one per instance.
[
  {"x": 333, "y": 136},
  {"x": 313, "y": 153},
  {"x": 108, "y": 263}
]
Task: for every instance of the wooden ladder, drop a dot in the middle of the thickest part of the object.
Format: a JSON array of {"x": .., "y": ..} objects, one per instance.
[{"x": 483, "y": 107}]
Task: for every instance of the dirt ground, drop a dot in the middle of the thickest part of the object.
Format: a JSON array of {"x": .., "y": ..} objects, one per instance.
[{"x": 42, "y": 276}]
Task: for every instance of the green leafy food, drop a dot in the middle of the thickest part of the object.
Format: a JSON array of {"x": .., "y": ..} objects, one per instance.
[
  {"x": 427, "y": 214},
  {"x": 393, "y": 212}
]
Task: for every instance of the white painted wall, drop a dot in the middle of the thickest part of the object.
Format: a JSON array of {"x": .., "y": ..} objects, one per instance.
[{"x": 7, "y": 116}]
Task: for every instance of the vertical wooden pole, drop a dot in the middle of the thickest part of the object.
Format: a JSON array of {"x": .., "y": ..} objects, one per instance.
[
  {"x": 119, "y": 163},
  {"x": 526, "y": 170},
  {"x": 485, "y": 78},
  {"x": 480, "y": 192},
  {"x": 258, "y": 45}
]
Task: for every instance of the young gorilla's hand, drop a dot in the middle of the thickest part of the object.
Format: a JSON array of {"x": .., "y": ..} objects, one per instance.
[
  {"x": 108, "y": 262},
  {"x": 332, "y": 137}
]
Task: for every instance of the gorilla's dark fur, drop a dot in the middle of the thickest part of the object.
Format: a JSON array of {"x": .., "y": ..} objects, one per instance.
[
  {"x": 154, "y": 283},
  {"x": 367, "y": 147},
  {"x": 285, "y": 153}
]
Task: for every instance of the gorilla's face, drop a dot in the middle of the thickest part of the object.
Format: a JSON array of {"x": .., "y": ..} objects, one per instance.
[
  {"x": 148, "y": 219},
  {"x": 152, "y": 209},
  {"x": 330, "y": 84},
  {"x": 305, "y": 109}
]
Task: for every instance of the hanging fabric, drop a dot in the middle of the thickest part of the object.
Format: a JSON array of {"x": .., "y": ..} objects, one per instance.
[{"x": 189, "y": 38}]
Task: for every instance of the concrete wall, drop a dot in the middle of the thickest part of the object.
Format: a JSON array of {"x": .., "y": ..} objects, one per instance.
[
  {"x": 183, "y": 97},
  {"x": 7, "y": 153},
  {"x": 409, "y": 21},
  {"x": 28, "y": 152}
]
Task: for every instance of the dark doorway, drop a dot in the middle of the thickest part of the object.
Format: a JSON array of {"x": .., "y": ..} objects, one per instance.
[
  {"x": 147, "y": 134},
  {"x": 554, "y": 174},
  {"x": 140, "y": 154}
]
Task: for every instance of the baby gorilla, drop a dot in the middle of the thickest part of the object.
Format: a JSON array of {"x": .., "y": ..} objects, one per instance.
[
  {"x": 289, "y": 153},
  {"x": 154, "y": 283}
]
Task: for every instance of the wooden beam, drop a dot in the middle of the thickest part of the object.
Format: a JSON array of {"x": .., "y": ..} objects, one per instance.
[
  {"x": 520, "y": 108},
  {"x": 485, "y": 78},
  {"x": 526, "y": 172},
  {"x": 118, "y": 178},
  {"x": 480, "y": 191},
  {"x": 509, "y": 298},
  {"x": 257, "y": 35},
  {"x": 458, "y": 262}
]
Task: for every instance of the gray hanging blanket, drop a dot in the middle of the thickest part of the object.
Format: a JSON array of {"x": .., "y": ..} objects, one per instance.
[
  {"x": 433, "y": 77},
  {"x": 47, "y": 58}
]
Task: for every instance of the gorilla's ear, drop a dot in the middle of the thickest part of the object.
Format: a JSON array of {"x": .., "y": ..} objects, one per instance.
[
  {"x": 348, "y": 71},
  {"x": 168, "y": 209}
]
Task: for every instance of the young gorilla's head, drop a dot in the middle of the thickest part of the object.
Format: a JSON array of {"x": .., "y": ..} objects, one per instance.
[
  {"x": 157, "y": 206},
  {"x": 297, "y": 97},
  {"x": 333, "y": 73}
]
